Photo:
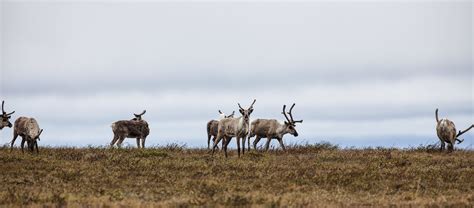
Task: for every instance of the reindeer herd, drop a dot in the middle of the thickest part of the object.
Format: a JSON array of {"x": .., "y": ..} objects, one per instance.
[{"x": 223, "y": 130}]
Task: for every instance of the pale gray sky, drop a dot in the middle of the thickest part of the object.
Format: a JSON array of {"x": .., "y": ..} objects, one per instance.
[{"x": 361, "y": 73}]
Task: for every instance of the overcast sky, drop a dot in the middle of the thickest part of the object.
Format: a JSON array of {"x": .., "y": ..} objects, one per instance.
[{"x": 360, "y": 73}]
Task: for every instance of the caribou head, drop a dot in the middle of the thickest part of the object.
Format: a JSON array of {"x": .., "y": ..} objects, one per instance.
[
  {"x": 5, "y": 118},
  {"x": 37, "y": 137},
  {"x": 138, "y": 117},
  {"x": 290, "y": 123},
  {"x": 246, "y": 112},
  {"x": 33, "y": 141}
]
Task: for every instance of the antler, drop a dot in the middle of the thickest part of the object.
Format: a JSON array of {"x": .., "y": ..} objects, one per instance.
[
  {"x": 284, "y": 113},
  {"x": 220, "y": 112},
  {"x": 3, "y": 111},
  {"x": 436, "y": 115},
  {"x": 240, "y": 106},
  {"x": 141, "y": 114},
  {"x": 462, "y": 132},
  {"x": 251, "y": 106},
  {"x": 291, "y": 115},
  {"x": 231, "y": 115}
]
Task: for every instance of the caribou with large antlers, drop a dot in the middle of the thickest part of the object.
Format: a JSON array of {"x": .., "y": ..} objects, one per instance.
[
  {"x": 29, "y": 131},
  {"x": 134, "y": 128},
  {"x": 5, "y": 118},
  {"x": 447, "y": 132},
  {"x": 272, "y": 129},
  {"x": 212, "y": 127},
  {"x": 233, "y": 127}
]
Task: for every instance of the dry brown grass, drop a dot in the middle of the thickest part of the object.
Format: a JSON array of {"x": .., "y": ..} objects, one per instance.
[{"x": 312, "y": 175}]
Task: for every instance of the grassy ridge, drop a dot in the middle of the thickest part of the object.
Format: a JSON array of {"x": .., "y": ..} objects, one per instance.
[{"x": 174, "y": 176}]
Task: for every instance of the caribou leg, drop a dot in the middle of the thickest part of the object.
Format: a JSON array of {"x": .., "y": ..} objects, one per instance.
[
  {"x": 15, "y": 135},
  {"x": 138, "y": 142},
  {"x": 226, "y": 140},
  {"x": 255, "y": 142},
  {"x": 281, "y": 144},
  {"x": 442, "y": 146},
  {"x": 143, "y": 142},
  {"x": 209, "y": 141},
  {"x": 243, "y": 144},
  {"x": 238, "y": 146},
  {"x": 23, "y": 140},
  {"x": 267, "y": 145},
  {"x": 248, "y": 143},
  {"x": 222, "y": 144},
  {"x": 217, "y": 139},
  {"x": 119, "y": 144},
  {"x": 214, "y": 139},
  {"x": 114, "y": 140}
]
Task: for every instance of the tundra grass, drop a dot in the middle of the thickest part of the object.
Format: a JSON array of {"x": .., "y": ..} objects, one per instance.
[{"x": 310, "y": 175}]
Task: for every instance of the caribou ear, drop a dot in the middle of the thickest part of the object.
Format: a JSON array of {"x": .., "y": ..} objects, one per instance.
[
  {"x": 241, "y": 111},
  {"x": 250, "y": 110}
]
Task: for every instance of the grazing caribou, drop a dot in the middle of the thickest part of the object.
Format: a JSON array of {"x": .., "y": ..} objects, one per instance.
[
  {"x": 272, "y": 129},
  {"x": 5, "y": 118},
  {"x": 212, "y": 127},
  {"x": 29, "y": 131},
  {"x": 134, "y": 128},
  {"x": 447, "y": 132},
  {"x": 233, "y": 127}
]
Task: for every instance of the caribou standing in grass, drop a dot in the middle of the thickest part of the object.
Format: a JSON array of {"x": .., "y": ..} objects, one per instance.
[
  {"x": 29, "y": 131},
  {"x": 233, "y": 127},
  {"x": 134, "y": 128},
  {"x": 212, "y": 127},
  {"x": 447, "y": 132},
  {"x": 272, "y": 129},
  {"x": 5, "y": 122}
]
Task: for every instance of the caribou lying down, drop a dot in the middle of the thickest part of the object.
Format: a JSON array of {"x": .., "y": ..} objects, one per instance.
[
  {"x": 134, "y": 128},
  {"x": 447, "y": 132},
  {"x": 272, "y": 129}
]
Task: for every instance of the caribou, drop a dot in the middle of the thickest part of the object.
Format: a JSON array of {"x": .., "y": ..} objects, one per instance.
[
  {"x": 29, "y": 131},
  {"x": 234, "y": 127},
  {"x": 272, "y": 129},
  {"x": 212, "y": 127},
  {"x": 5, "y": 118},
  {"x": 134, "y": 128},
  {"x": 446, "y": 131}
]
